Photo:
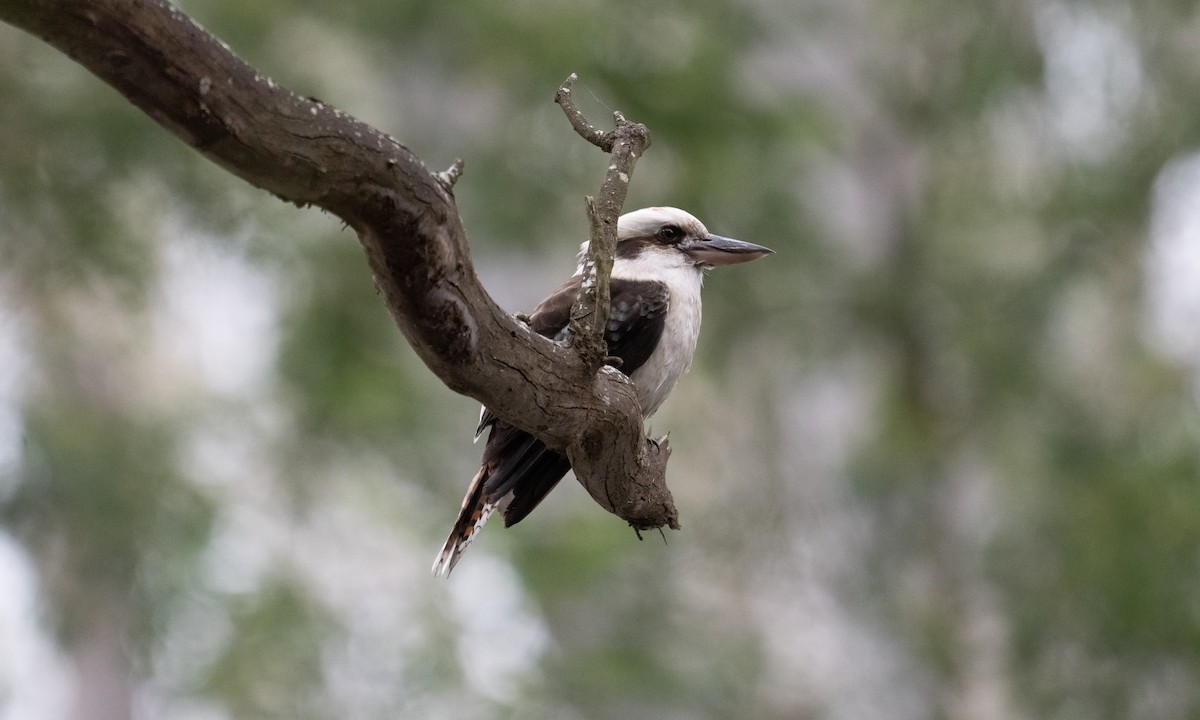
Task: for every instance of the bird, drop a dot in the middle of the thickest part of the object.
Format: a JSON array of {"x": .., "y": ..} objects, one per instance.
[{"x": 653, "y": 325}]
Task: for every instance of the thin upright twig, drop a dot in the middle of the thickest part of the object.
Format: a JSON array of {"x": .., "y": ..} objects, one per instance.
[{"x": 627, "y": 141}]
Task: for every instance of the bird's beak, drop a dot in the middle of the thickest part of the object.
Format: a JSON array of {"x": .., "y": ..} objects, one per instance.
[{"x": 717, "y": 250}]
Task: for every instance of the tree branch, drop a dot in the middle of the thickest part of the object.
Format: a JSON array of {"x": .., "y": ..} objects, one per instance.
[
  {"x": 627, "y": 142},
  {"x": 308, "y": 153}
]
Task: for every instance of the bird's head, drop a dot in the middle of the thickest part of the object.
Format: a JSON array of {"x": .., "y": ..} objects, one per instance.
[{"x": 670, "y": 235}]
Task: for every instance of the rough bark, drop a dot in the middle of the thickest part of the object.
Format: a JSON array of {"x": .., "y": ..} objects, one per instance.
[
  {"x": 308, "y": 153},
  {"x": 626, "y": 142}
]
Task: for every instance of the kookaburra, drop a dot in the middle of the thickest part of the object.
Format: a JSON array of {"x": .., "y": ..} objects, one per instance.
[{"x": 653, "y": 323}]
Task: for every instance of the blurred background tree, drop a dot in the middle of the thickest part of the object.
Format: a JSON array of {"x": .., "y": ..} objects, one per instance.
[{"x": 938, "y": 458}]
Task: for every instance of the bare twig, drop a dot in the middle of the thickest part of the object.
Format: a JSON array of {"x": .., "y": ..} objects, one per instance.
[
  {"x": 586, "y": 130},
  {"x": 626, "y": 142},
  {"x": 450, "y": 175}
]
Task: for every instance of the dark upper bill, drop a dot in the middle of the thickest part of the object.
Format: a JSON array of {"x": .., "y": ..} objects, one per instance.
[{"x": 717, "y": 250}]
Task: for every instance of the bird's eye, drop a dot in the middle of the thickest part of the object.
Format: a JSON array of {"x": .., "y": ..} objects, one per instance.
[{"x": 670, "y": 233}]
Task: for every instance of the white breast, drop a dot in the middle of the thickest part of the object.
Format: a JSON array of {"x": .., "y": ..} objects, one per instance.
[{"x": 672, "y": 356}]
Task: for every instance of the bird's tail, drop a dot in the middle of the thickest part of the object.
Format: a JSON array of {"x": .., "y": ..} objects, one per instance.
[{"x": 475, "y": 511}]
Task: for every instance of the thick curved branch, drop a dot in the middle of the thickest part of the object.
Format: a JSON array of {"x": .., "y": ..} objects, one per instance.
[{"x": 308, "y": 153}]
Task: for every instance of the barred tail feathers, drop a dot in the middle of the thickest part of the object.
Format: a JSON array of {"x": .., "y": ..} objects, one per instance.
[{"x": 475, "y": 512}]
